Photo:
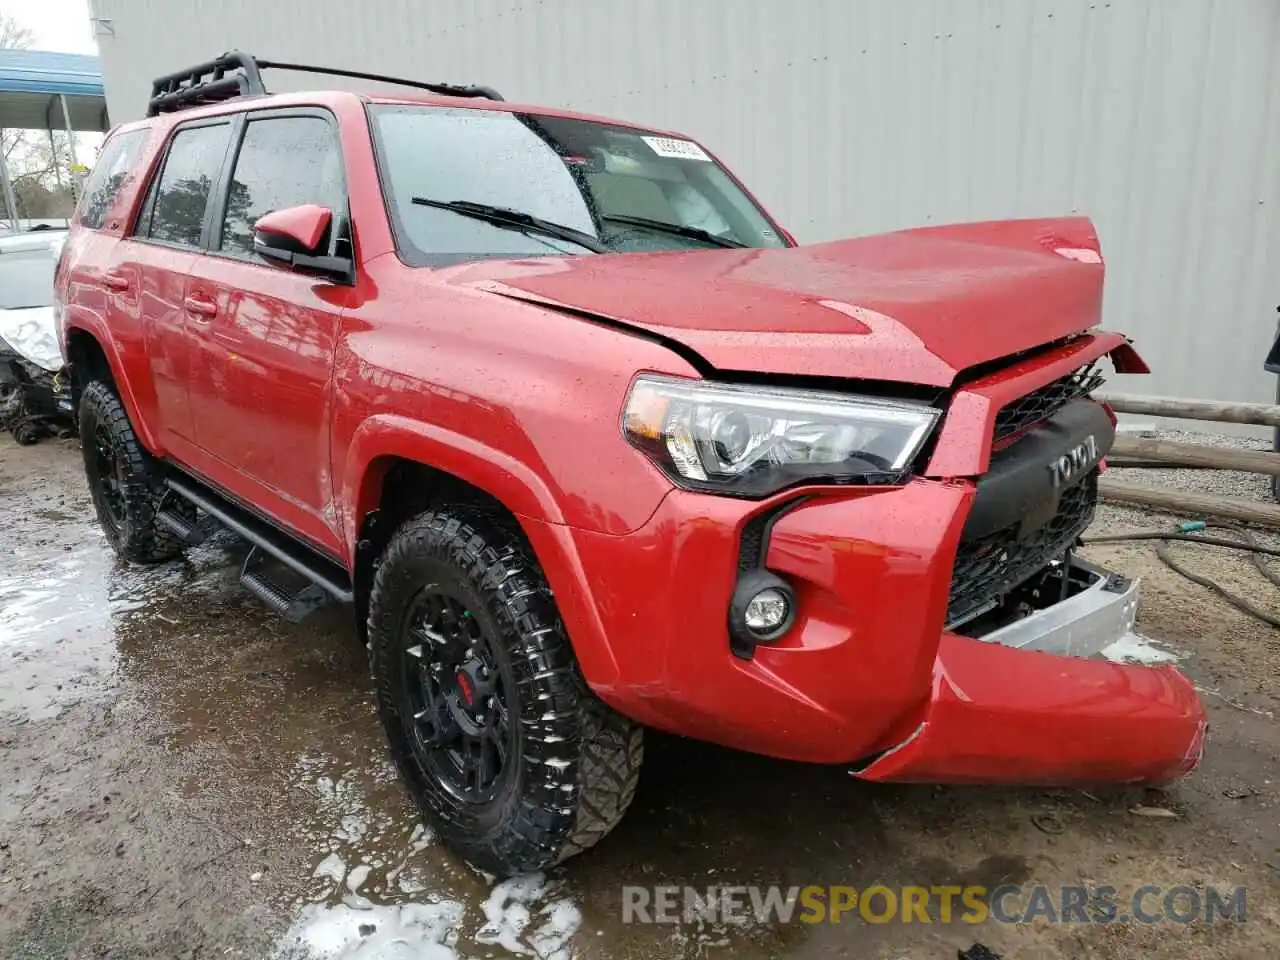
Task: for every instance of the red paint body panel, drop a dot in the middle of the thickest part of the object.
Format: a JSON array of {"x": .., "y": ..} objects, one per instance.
[
  {"x": 833, "y": 688},
  {"x": 295, "y": 396},
  {"x": 260, "y": 381},
  {"x": 917, "y": 306},
  {"x": 999, "y": 715}
]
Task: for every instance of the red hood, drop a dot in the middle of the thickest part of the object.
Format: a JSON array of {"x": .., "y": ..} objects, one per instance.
[{"x": 916, "y": 306}]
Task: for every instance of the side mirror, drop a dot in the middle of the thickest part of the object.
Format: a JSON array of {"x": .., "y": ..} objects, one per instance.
[{"x": 295, "y": 235}]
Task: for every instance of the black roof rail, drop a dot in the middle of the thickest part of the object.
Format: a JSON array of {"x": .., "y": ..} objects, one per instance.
[{"x": 236, "y": 74}]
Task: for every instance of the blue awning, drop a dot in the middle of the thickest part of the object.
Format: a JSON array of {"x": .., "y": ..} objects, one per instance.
[{"x": 32, "y": 80}]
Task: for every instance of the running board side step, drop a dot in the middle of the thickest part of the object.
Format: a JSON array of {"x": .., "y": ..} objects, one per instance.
[
  {"x": 186, "y": 531},
  {"x": 294, "y": 607},
  {"x": 327, "y": 576}
]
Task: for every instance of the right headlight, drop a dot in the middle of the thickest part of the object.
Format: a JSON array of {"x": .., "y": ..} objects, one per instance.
[{"x": 753, "y": 441}]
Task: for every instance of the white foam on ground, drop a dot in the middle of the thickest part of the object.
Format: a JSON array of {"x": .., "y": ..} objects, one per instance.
[
  {"x": 553, "y": 940},
  {"x": 333, "y": 867},
  {"x": 357, "y": 877},
  {"x": 409, "y": 931},
  {"x": 509, "y": 911},
  {"x": 1135, "y": 648},
  {"x": 519, "y": 918},
  {"x": 374, "y": 900}
]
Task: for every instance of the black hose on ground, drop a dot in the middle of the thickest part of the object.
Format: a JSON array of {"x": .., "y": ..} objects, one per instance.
[{"x": 1185, "y": 532}]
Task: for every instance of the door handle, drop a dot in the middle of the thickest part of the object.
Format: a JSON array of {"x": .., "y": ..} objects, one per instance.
[
  {"x": 114, "y": 281},
  {"x": 200, "y": 307}
]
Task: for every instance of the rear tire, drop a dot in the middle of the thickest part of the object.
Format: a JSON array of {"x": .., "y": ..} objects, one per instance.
[
  {"x": 124, "y": 481},
  {"x": 461, "y": 614}
]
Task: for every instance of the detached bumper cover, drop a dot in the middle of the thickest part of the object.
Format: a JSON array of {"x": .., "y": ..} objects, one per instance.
[
  {"x": 1021, "y": 705},
  {"x": 1005, "y": 715}
]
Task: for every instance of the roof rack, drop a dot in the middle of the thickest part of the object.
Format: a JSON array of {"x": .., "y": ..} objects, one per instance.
[{"x": 236, "y": 74}]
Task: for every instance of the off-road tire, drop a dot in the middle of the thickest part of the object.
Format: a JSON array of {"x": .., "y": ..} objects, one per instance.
[
  {"x": 26, "y": 433},
  {"x": 136, "y": 536},
  {"x": 577, "y": 761}
]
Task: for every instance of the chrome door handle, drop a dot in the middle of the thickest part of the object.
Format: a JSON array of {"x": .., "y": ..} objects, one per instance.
[{"x": 204, "y": 309}]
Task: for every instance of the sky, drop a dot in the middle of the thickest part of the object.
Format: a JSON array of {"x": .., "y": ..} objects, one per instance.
[{"x": 61, "y": 25}]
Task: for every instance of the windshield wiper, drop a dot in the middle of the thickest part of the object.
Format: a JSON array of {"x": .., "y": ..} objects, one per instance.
[
  {"x": 680, "y": 230},
  {"x": 514, "y": 220}
]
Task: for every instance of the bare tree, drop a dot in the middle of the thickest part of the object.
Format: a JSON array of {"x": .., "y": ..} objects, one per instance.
[
  {"x": 13, "y": 36},
  {"x": 31, "y": 162}
]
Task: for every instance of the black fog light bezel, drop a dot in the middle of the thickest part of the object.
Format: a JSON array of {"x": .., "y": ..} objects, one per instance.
[{"x": 742, "y": 639}]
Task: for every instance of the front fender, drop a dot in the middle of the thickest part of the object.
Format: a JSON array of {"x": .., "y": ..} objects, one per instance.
[
  {"x": 386, "y": 436},
  {"x": 382, "y": 438}
]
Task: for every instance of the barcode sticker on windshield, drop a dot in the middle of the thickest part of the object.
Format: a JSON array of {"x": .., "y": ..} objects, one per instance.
[{"x": 676, "y": 149}]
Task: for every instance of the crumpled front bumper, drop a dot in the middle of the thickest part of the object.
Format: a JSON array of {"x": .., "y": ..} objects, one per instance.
[
  {"x": 1003, "y": 715},
  {"x": 1028, "y": 708},
  {"x": 867, "y": 675},
  {"x": 1023, "y": 705}
]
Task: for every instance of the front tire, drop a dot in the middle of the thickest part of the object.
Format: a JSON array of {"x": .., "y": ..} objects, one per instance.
[
  {"x": 126, "y": 487},
  {"x": 509, "y": 756}
]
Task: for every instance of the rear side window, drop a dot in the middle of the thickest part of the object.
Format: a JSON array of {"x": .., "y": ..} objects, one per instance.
[
  {"x": 113, "y": 169},
  {"x": 176, "y": 207},
  {"x": 283, "y": 162}
]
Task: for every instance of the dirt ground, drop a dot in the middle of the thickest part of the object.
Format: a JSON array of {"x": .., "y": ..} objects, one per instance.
[{"x": 183, "y": 775}]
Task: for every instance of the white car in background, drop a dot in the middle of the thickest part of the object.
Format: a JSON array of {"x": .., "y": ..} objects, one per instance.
[{"x": 35, "y": 398}]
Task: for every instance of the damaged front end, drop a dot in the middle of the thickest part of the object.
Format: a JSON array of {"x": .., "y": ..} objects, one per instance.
[
  {"x": 1022, "y": 687},
  {"x": 35, "y": 392},
  {"x": 1033, "y": 702}
]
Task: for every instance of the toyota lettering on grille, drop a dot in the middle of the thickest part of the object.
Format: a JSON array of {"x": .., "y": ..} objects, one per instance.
[{"x": 1068, "y": 467}]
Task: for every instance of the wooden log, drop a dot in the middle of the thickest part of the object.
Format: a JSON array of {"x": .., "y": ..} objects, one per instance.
[
  {"x": 1137, "y": 463},
  {"x": 1219, "y": 411},
  {"x": 1197, "y": 455},
  {"x": 1190, "y": 506}
]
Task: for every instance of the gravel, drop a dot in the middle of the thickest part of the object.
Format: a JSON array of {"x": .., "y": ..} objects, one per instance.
[{"x": 1231, "y": 483}]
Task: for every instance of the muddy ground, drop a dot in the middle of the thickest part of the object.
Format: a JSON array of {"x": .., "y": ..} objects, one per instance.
[{"x": 184, "y": 775}]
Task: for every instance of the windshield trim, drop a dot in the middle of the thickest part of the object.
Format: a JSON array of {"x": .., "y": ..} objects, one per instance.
[{"x": 411, "y": 256}]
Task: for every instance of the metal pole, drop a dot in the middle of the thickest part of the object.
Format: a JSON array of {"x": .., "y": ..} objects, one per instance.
[
  {"x": 71, "y": 145},
  {"x": 10, "y": 201},
  {"x": 53, "y": 152}
]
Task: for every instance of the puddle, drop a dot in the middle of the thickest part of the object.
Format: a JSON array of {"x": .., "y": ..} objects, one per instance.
[
  {"x": 62, "y": 613},
  {"x": 57, "y": 643}
]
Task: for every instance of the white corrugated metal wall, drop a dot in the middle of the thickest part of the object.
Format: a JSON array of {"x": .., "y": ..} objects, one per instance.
[{"x": 1158, "y": 118}]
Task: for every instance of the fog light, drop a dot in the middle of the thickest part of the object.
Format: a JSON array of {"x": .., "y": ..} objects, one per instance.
[
  {"x": 762, "y": 609},
  {"x": 767, "y": 611}
]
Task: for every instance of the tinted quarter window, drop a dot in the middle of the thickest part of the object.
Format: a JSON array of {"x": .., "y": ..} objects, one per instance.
[
  {"x": 283, "y": 162},
  {"x": 113, "y": 169},
  {"x": 176, "y": 210}
]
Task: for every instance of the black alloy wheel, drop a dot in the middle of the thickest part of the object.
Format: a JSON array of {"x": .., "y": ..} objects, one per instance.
[
  {"x": 106, "y": 479},
  {"x": 455, "y": 699}
]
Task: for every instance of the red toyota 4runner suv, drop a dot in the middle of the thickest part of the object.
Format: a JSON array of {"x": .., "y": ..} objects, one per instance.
[{"x": 590, "y": 444}]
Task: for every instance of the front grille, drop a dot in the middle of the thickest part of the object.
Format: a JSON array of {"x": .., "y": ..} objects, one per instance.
[
  {"x": 1039, "y": 405},
  {"x": 988, "y": 567}
]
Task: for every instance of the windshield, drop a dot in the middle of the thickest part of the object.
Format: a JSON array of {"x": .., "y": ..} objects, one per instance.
[
  {"x": 26, "y": 279},
  {"x": 628, "y": 190}
]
